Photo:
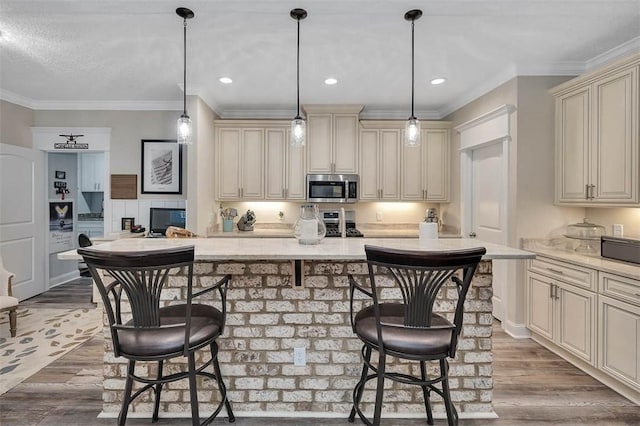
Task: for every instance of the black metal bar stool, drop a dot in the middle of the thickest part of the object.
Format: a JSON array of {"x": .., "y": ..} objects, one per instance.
[
  {"x": 157, "y": 333},
  {"x": 409, "y": 329}
]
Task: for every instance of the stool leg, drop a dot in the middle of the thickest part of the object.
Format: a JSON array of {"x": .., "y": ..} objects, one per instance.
[
  {"x": 452, "y": 415},
  {"x": 12, "y": 321},
  {"x": 360, "y": 385},
  {"x": 426, "y": 393},
  {"x": 377, "y": 413},
  {"x": 126, "y": 400},
  {"x": 193, "y": 390},
  {"x": 221, "y": 385},
  {"x": 158, "y": 390}
]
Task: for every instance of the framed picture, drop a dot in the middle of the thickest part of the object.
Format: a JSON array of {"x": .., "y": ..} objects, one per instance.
[
  {"x": 61, "y": 175},
  {"x": 127, "y": 223},
  {"x": 161, "y": 167}
]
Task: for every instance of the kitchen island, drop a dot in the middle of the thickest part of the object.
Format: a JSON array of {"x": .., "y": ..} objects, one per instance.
[{"x": 269, "y": 315}]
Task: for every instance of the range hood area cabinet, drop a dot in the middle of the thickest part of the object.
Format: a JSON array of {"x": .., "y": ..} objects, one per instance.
[
  {"x": 256, "y": 162},
  {"x": 597, "y": 131},
  {"x": 332, "y": 138},
  {"x": 91, "y": 166}
]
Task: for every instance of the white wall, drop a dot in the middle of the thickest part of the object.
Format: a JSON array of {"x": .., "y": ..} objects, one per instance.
[
  {"x": 139, "y": 210},
  {"x": 629, "y": 217}
]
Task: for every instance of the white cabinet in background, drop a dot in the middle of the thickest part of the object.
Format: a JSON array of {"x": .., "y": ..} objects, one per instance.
[
  {"x": 597, "y": 153},
  {"x": 240, "y": 163},
  {"x": 425, "y": 169},
  {"x": 379, "y": 164},
  {"x": 284, "y": 167},
  {"x": 91, "y": 167},
  {"x": 332, "y": 138}
]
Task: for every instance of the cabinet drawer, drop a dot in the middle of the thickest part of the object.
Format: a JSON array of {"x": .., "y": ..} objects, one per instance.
[
  {"x": 621, "y": 288},
  {"x": 567, "y": 272}
]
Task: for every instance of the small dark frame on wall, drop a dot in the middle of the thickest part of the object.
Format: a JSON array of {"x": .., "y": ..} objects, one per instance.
[
  {"x": 161, "y": 167},
  {"x": 127, "y": 223},
  {"x": 61, "y": 175}
]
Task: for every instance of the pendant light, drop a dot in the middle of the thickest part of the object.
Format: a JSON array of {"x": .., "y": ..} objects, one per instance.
[
  {"x": 184, "y": 122},
  {"x": 412, "y": 128},
  {"x": 298, "y": 124}
]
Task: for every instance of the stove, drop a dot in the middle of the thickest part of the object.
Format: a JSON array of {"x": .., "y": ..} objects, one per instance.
[{"x": 331, "y": 220}]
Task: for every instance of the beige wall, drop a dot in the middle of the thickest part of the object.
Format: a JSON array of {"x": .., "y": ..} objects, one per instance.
[
  {"x": 15, "y": 121},
  {"x": 629, "y": 217},
  {"x": 128, "y": 128}
]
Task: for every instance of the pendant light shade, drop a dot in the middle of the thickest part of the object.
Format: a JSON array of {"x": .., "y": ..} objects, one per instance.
[
  {"x": 298, "y": 124},
  {"x": 184, "y": 122},
  {"x": 412, "y": 128}
]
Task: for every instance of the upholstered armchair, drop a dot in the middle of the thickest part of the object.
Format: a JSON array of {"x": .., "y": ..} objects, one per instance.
[{"x": 7, "y": 301}]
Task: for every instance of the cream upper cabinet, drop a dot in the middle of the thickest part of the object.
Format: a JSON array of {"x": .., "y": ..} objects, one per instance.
[
  {"x": 379, "y": 164},
  {"x": 332, "y": 138},
  {"x": 284, "y": 167},
  {"x": 425, "y": 169},
  {"x": 91, "y": 172},
  {"x": 597, "y": 153},
  {"x": 240, "y": 163}
]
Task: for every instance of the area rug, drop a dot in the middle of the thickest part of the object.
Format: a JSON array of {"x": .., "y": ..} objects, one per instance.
[{"x": 44, "y": 335}]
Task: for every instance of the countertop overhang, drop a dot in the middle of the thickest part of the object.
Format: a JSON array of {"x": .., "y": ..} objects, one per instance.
[{"x": 289, "y": 249}]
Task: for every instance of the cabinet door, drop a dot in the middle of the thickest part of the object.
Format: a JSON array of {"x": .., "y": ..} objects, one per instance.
[
  {"x": 412, "y": 179},
  {"x": 576, "y": 321},
  {"x": 619, "y": 341},
  {"x": 252, "y": 164},
  {"x": 228, "y": 164},
  {"x": 345, "y": 143},
  {"x": 92, "y": 172},
  {"x": 295, "y": 188},
  {"x": 572, "y": 146},
  {"x": 540, "y": 312},
  {"x": 615, "y": 138},
  {"x": 319, "y": 140},
  {"x": 389, "y": 160},
  {"x": 369, "y": 165},
  {"x": 436, "y": 170},
  {"x": 275, "y": 167}
]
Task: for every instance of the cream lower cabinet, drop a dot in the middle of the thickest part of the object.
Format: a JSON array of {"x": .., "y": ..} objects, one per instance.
[
  {"x": 240, "y": 163},
  {"x": 284, "y": 167},
  {"x": 597, "y": 154},
  {"x": 425, "y": 169},
  {"x": 379, "y": 164},
  {"x": 564, "y": 314}
]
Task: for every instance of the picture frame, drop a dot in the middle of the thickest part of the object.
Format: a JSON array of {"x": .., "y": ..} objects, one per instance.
[
  {"x": 161, "y": 166},
  {"x": 61, "y": 174},
  {"x": 127, "y": 223}
]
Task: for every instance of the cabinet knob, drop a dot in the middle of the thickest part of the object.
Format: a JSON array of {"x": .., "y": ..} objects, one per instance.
[{"x": 472, "y": 234}]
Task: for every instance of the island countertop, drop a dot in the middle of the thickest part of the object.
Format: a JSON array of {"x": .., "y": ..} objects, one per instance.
[{"x": 289, "y": 248}]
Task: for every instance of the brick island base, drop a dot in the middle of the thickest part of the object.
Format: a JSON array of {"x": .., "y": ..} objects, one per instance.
[{"x": 267, "y": 318}]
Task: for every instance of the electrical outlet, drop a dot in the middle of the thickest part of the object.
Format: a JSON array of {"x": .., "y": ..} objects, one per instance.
[
  {"x": 379, "y": 216},
  {"x": 299, "y": 357},
  {"x": 617, "y": 230}
]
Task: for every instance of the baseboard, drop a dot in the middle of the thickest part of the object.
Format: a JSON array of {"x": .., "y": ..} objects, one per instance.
[
  {"x": 297, "y": 414},
  {"x": 64, "y": 278},
  {"x": 517, "y": 331}
]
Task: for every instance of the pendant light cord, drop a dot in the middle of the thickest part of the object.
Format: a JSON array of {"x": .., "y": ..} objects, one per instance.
[
  {"x": 184, "y": 80},
  {"x": 412, "y": 65},
  {"x": 298, "y": 70}
]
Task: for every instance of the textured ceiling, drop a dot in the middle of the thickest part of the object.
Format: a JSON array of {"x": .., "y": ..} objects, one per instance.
[{"x": 84, "y": 54}]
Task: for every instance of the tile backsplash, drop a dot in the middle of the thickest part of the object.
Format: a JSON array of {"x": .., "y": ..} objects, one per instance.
[{"x": 139, "y": 210}]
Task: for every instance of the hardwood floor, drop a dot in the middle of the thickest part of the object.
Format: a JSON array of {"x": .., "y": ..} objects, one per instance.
[{"x": 532, "y": 387}]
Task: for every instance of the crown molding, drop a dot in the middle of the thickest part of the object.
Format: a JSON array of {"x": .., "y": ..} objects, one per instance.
[
  {"x": 397, "y": 114},
  {"x": 627, "y": 48},
  {"x": 266, "y": 112},
  {"x": 108, "y": 105},
  {"x": 14, "y": 98}
]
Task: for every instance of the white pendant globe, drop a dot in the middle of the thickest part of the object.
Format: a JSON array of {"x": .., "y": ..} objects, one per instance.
[
  {"x": 412, "y": 132},
  {"x": 298, "y": 131},
  {"x": 184, "y": 130}
]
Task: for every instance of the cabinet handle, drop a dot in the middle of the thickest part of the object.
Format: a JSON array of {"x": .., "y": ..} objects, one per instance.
[
  {"x": 555, "y": 271},
  {"x": 381, "y": 193},
  {"x": 550, "y": 291},
  {"x": 593, "y": 187},
  {"x": 586, "y": 192}
]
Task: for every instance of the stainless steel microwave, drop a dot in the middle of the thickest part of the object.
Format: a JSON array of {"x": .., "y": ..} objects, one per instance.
[{"x": 332, "y": 188}]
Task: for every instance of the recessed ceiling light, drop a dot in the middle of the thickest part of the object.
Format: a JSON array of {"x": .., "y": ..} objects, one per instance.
[
  {"x": 438, "y": 80},
  {"x": 330, "y": 81},
  {"x": 225, "y": 80}
]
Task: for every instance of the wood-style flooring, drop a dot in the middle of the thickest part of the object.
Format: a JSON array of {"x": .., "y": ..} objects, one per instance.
[{"x": 532, "y": 387}]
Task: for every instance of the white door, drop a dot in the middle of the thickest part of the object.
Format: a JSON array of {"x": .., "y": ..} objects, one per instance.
[
  {"x": 488, "y": 210},
  {"x": 22, "y": 218}
]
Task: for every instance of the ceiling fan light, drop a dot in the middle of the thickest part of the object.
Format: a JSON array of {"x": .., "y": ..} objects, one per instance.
[
  {"x": 184, "y": 130},
  {"x": 412, "y": 132},
  {"x": 298, "y": 132}
]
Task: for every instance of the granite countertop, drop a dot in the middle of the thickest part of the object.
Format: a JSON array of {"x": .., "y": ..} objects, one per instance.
[
  {"x": 288, "y": 248},
  {"x": 562, "y": 249}
]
